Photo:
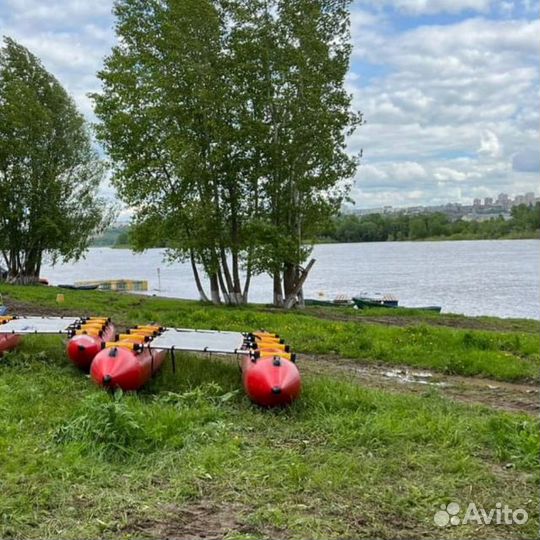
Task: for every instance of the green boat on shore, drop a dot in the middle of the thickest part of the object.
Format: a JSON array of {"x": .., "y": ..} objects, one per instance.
[
  {"x": 339, "y": 301},
  {"x": 327, "y": 303},
  {"x": 388, "y": 301}
]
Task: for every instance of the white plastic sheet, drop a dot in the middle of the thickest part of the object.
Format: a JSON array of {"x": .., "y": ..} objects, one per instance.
[
  {"x": 185, "y": 339},
  {"x": 38, "y": 325}
]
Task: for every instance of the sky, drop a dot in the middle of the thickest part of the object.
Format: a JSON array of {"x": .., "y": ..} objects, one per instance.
[{"x": 449, "y": 89}]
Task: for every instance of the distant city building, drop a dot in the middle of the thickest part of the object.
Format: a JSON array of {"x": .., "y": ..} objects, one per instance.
[
  {"x": 529, "y": 198},
  {"x": 486, "y": 216},
  {"x": 476, "y": 212},
  {"x": 368, "y": 211},
  {"x": 503, "y": 200}
]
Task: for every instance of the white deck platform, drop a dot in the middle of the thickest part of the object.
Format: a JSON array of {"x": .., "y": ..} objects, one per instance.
[
  {"x": 211, "y": 341},
  {"x": 38, "y": 325}
]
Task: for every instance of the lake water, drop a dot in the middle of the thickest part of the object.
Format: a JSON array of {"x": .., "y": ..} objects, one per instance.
[{"x": 492, "y": 277}]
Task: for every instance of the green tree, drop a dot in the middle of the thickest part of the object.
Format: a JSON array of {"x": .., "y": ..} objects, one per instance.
[
  {"x": 437, "y": 224},
  {"x": 169, "y": 121},
  {"x": 298, "y": 55},
  {"x": 417, "y": 228},
  {"x": 49, "y": 173},
  {"x": 526, "y": 217},
  {"x": 226, "y": 121}
]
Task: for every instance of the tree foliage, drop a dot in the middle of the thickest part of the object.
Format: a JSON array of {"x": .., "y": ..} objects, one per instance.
[
  {"x": 380, "y": 228},
  {"x": 49, "y": 173},
  {"x": 226, "y": 123}
]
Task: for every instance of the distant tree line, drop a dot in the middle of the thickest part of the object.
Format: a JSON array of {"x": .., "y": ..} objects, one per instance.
[
  {"x": 525, "y": 222},
  {"x": 116, "y": 235}
]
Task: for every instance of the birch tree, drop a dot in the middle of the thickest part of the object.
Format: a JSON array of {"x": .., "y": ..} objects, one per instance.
[{"x": 225, "y": 121}]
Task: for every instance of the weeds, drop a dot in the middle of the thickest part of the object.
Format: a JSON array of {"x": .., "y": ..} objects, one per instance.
[
  {"x": 342, "y": 462},
  {"x": 106, "y": 425}
]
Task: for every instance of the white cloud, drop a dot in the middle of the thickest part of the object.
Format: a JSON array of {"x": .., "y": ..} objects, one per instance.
[
  {"x": 490, "y": 145},
  {"x": 54, "y": 12},
  {"x": 429, "y": 7},
  {"x": 445, "y": 173},
  {"x": 458, "y": 99}
]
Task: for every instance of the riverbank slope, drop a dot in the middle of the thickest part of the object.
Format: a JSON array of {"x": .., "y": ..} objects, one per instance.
[{"x": 400, "y": 413}]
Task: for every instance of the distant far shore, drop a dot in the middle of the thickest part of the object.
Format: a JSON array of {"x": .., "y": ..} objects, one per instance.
[
  {"x": 523, "y": 224},
  {"x": 455, "y": 238},
  {"x": 535, "y": 235}
]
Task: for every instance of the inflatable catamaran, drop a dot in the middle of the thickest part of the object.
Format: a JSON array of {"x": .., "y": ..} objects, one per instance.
[
  {"x": 128, "y": 360},
  {"x": 88, "y": 334}
]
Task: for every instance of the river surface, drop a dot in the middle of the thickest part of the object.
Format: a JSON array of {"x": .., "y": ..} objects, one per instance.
[{"x": 486, "y": 277}]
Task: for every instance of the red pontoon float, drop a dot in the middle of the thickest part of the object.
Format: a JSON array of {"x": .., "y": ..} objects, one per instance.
[
  {"x": 269, "y": 373},
  {"x": 270, "y": 376},
  {"x": 7, "y": 341},
  {"x": 127, "y": 363},
  {"x": 88, "y": 340}
]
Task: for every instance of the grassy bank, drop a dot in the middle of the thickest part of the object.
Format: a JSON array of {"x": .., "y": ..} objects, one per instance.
[
  {"x": 508, "y": 356},
  {"x": 189, "y": 456}
]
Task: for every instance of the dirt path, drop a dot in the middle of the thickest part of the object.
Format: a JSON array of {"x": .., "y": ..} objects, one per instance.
[
  {"x": 25, "y": 308},
  {"x": 496, "y": 394},
  {"x": 200, "y": 520}
]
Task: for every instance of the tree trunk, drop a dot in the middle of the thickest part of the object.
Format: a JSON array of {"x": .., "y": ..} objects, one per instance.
[
  {"x": 291, "y": 298},
  {"x": 238, "y": 295},
  {"x": 200, "y": 289},
  {"x": 289, "y": 278},
  {"x": 247, "y": 283},
  {"x": 224, "y": 289},
  {"x": 23, "y": 270},
  {"x": 301, "y": 303},
  {"x": 214, "y": 289},
  {"x": 278, "y": 291},
  {"x": 228, "y": 280}
]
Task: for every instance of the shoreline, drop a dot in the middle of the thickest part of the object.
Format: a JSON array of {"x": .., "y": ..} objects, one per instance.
[{"x": 536, "y": 236}]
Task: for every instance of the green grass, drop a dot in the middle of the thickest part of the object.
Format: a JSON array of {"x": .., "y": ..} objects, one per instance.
[
  {"x": 505, "y": 355},
  {"x": 342, "y": 462},
  {"x": 447, "y": 319}
]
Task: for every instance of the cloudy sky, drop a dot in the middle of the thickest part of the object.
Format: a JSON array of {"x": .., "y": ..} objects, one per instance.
[{"x": 449, "y": 89}]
